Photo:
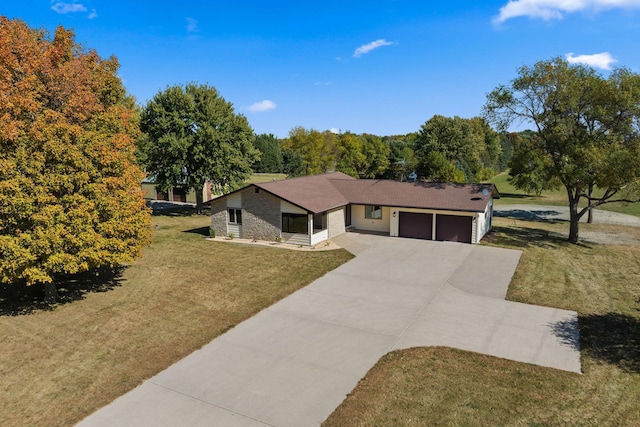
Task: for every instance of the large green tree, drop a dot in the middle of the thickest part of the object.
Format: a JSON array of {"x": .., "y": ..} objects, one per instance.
[
  {"x": 70, "y": 197},
  {"x": 191, "y": 136},
  {"x": 271, "y": 159},
  {"x": 587, "y": 127},
  {"x": 445, "y": 144},
  {"x": 402, "y": 158},
  {"x": 529, "y": 168}
]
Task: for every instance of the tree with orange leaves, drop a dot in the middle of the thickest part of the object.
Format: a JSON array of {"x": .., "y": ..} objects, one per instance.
[{"x": 70, "y": 198}]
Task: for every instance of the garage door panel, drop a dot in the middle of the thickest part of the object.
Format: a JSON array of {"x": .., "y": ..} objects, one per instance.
[
  {"x": 453, "y": 228},
  {"x": 415, "y": 225}
]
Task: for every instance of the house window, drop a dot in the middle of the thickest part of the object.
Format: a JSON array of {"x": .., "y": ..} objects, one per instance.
[
  {"x": 235, "y": 216},
  {"x": 320, "y": 221},
  {"x": 295, "y": 223},
  {"x": 373, "y": 212}
]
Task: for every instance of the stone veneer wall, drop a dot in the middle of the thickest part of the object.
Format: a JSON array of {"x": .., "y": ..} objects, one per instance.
[
  {"x": 335, "y": 221},
  {"x": 261, "y": 215},
  {"x": 219, "y": 217}
]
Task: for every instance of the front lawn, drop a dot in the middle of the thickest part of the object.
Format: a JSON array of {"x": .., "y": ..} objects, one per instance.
[
  {"x": 59, "y": 364},
  {"x": 442, "y": 386}
]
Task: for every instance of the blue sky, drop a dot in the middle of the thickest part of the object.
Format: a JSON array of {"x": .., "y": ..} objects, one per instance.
[{"x": 379, "y": 66}]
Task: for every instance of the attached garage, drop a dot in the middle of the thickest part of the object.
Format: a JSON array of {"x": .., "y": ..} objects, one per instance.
[
  {"x": 453, "y": 228},
  {"x": 416, "y": 225}
]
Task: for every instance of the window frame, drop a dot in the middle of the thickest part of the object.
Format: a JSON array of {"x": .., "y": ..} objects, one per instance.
[
  {"x": 236, "y": 214},
  {"x": 369, "y": 211},
  {"x": 323, "y": 222},
  {"x": 286, "y": 223}
]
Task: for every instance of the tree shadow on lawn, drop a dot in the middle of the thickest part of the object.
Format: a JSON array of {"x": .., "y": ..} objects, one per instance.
[
  {"x": 203, "y": 231},
  {"x": 612, "y": 338},
  {"x": 163, "y": 208},
  {"x": 530, "y": 215},
  {"x": 18, "y": 299},
  {"x": 516, "y": 196},
  {"x": 526, "y": 237}
]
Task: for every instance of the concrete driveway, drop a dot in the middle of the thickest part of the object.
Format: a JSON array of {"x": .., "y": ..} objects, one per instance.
[{"x": 293, "y": 363}]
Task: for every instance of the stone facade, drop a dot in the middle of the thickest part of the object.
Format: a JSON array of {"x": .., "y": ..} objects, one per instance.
[
  {"x": 261, "y": 215},
  {"x": 335, "y": 222},
  {"x": 219, "y": 217}
]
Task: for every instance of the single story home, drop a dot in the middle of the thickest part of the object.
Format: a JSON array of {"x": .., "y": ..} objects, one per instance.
[{"x": 309, "y": 210}]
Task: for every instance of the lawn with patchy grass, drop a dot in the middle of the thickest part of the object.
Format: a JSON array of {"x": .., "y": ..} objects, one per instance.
[
  {"x": 59, "y": 364},
  {"x": 442, "y": 386}
]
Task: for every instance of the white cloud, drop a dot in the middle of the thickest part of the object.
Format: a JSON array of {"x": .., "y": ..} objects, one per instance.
[
  {"x": 265, "y": 105},
  {"x": 556, "y": 9},
  {"x": 335, "y": 131},
  {"x": 322, "y": 83},
  {"x": 366, "y": 48},
  {"x": 598, "y": 60},
  {"x": 93, "y": 14},
  {"x": 192, "y": 25},
  {"x": 62, "y": 7}
]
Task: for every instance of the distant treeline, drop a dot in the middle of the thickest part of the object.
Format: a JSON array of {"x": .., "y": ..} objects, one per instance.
[{"x": 444, "y": 149}]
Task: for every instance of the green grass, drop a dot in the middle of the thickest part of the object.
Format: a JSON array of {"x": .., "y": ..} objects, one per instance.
[
  {"x": 257, "y": 178},
  {"x": 510, "y": 195},
  {"x": 60, "y": 363},
  {"x": 442, "y": 386}
]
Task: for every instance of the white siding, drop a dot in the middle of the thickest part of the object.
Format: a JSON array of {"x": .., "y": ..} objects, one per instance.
[
  {"x": 319, "y": 237},
  {"x": 361, "y": 223},
  {"x": 296, "y": 239},
  {"x": 233, "y": 229},
  {"x": 484, "y": 222},
  {"x": 286, "y": 207},
  {"x": 235, "y": 201}
]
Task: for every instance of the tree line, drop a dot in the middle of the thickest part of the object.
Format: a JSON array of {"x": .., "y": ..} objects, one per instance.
[
  {"x": 74, "y": 147},
  {"x": 444, "y": 149}
]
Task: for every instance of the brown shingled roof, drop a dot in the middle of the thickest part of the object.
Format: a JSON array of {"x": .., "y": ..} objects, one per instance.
[
  {"x": 320, "y": 193},
  {"x": 314, "y": 193},
  {"x": 424, "y": 195}
]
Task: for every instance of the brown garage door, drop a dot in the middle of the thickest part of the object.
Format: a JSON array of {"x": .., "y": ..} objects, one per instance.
[
  {"x": 415, "y": 225},
  {"x": 180, "y": 195},
  {"x": 452, "y": 228}
]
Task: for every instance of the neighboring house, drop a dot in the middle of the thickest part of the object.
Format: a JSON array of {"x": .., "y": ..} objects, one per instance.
[
  {"x": 309, "y": 210},
  {"x": 174, "y": 194}
]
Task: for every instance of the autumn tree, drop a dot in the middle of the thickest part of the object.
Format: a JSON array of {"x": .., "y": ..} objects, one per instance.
[
  {"x": 587, "y": 127},
  {"x": 70, "y": 198},
  {"x": 192, "y": 135},
  {"x": 316, "y": 149},
  {"x": 350, "y": 154}
]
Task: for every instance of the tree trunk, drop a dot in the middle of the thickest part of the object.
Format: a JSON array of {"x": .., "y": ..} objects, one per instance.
[
  {"x": 51, "y": 293},
  {"x": 199, "y": 199},
  {"x": 590, "y": 213},
  {"x": 574, "y": 218}
]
